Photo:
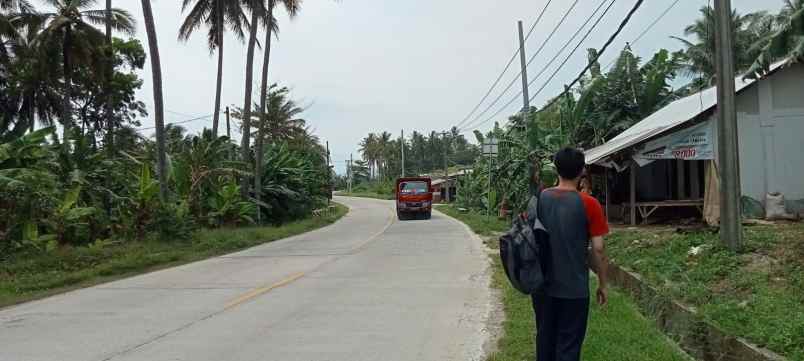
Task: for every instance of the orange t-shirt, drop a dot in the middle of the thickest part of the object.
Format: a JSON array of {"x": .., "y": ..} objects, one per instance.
[{"x": 594, "y": 213}]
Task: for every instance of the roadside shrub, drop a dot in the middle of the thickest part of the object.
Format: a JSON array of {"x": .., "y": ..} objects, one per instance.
[{"x": 172, "y": 222}]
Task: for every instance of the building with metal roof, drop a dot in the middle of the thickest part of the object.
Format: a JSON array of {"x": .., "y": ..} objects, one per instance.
[{"x": 668, "y": 160}]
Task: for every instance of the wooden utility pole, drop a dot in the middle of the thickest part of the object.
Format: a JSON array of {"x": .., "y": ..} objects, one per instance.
[{"x": 728, "y": 148}]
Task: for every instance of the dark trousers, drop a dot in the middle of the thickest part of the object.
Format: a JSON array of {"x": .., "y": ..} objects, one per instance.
[{"x": 560, "y": 327}]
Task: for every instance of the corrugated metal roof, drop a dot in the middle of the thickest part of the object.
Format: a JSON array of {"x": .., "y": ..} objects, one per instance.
[{"x": 667, "y": 118}]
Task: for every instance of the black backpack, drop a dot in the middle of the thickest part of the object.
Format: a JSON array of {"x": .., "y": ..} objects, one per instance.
[{"x": 524, "y": 251}]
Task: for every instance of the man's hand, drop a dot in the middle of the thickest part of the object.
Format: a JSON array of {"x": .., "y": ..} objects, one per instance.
[{"x": 602, "y": 296}]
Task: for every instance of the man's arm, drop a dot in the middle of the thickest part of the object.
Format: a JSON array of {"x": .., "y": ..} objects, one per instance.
[{"x": 600, "y": 265}]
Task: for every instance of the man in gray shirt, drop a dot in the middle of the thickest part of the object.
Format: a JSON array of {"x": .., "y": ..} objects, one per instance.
[{"x": 573, "y": 220}]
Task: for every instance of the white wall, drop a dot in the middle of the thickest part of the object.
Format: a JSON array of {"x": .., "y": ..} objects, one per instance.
[{"x": 771, "y": 145}]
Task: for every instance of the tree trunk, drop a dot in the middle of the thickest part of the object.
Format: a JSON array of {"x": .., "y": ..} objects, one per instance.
[
  {"x": 263, "y": 101},
  {"x": 159, "y": 114},
  {"x": 245, "y": 143},
  {"x": 216, "y": 117},
  {"x": 66, "y": 110},
  {"x": 109, "y": 75}
]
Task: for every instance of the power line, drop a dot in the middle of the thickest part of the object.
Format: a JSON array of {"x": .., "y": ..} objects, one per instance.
[
  {"x": 656, "y": 21},
  {"x": 179, "y": 113},
  {"x": 546, "y": 66},
  {"x": 507, "y": 66},
  {"x": 181, "y": 122},
  {"x": 611, "y": 39},
  {"x": 552, "y": 76},
  {"x": 647, "y": 29},
  {"x": 625, "y": 21},
  {"x": 532, "y": 58}
]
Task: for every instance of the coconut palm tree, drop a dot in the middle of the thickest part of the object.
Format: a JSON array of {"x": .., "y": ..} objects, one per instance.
[
  {"x": 159, "y": 106},
  {"x": 368, "y": 149},
  {"x": 787, "y": 41},
  {"x": 271, "y": 28},
  {"x": 219, "y": 16},
  {"x": 747, "y": 30},
  {"x": 279, "y": 122},
  {"x": 37, "y": 98},
  {"x": 72, "y": 24},
  {"x": 9, "y": 11},
  {"x": 257, "y": 9},
  {"x": 108, "y": 78},
  {"x": 383, "y": 144}
]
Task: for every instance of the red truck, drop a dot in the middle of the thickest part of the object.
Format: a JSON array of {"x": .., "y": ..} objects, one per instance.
[{"x": 414, "y": 196}]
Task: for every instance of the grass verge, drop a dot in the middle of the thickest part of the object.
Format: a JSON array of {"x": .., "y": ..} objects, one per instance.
[
  {"x": 479, "y": 223},
  {"x": 616, "y": 332},
  {"x": 754, "y": 294},
  {"x": 367, "y": 195},
  {"x": 36, "y": 275}
]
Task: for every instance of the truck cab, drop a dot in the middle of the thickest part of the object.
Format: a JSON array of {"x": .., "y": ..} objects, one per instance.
[{"x": 414, "y": 197}]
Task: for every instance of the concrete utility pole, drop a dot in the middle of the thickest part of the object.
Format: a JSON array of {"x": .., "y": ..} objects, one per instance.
[
  {"x": 329, "y": 176},
  {"x": 228, "y": 126},
  {"x": 403, "y": 152},
  {"x": 351, "y": 171},
  {"x": 728, "y": 146},
  {"x": 446, "y": 170},
  {"x": 525, "y": 95}
]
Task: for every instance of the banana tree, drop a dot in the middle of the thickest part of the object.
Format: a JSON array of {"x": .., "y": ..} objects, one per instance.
[
  {"x": 69, "y": 216},
  {"x": 229, "y": 209},
  {"x": 28, "y": 187}
]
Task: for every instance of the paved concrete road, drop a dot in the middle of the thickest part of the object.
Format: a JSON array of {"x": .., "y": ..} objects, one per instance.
[{"x": 366, "y": 288}]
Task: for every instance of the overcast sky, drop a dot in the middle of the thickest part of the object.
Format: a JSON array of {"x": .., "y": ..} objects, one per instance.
[{"x": 372, "y": 66}]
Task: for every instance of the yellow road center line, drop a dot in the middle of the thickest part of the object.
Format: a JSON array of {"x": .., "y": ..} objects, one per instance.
[
  {"x": 376, "y": 235},
  {"x": 262, "y": 290}
]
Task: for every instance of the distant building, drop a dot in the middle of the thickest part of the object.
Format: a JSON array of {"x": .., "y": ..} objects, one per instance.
[{"x": 447, "y": 187}]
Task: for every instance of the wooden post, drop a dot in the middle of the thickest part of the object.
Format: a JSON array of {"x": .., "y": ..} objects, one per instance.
[
  {"x": 633, "y": 193},
  {"x": 695, "y": 180},
  {"x": 680, "y": 179}
]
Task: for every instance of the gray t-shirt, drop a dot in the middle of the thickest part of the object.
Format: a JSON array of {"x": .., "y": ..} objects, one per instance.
[{"x": 572, "y": 219}]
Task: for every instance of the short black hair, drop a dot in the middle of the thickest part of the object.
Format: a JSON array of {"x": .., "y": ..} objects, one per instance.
[{"x": 569, "y": 163}]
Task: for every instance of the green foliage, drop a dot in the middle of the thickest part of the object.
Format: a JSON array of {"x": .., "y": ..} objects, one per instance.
[
  {"x": 33, "y": 274},
  {"x": 479, "y": 223},
  {"x": 368, "y": 189},
  {"x": 603, "y": 106},
  {"x": 95, "y": 186},
  {"x": 382, "y": 154},
  {"x": 754, "y": 295},
  {"x": 28, "y": 190},
  {"x": 68, "y": 216},
  {"x": 294, "y": 181},
  {"x": 786, "y": 42},
  {"x": 750, "y": 33},
  {"x": 227, "y": 208}
]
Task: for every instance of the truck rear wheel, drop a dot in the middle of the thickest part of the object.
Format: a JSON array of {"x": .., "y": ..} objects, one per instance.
[
  {"x": 400, "y": 215},
  {"x": 428, "y": 215}
]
